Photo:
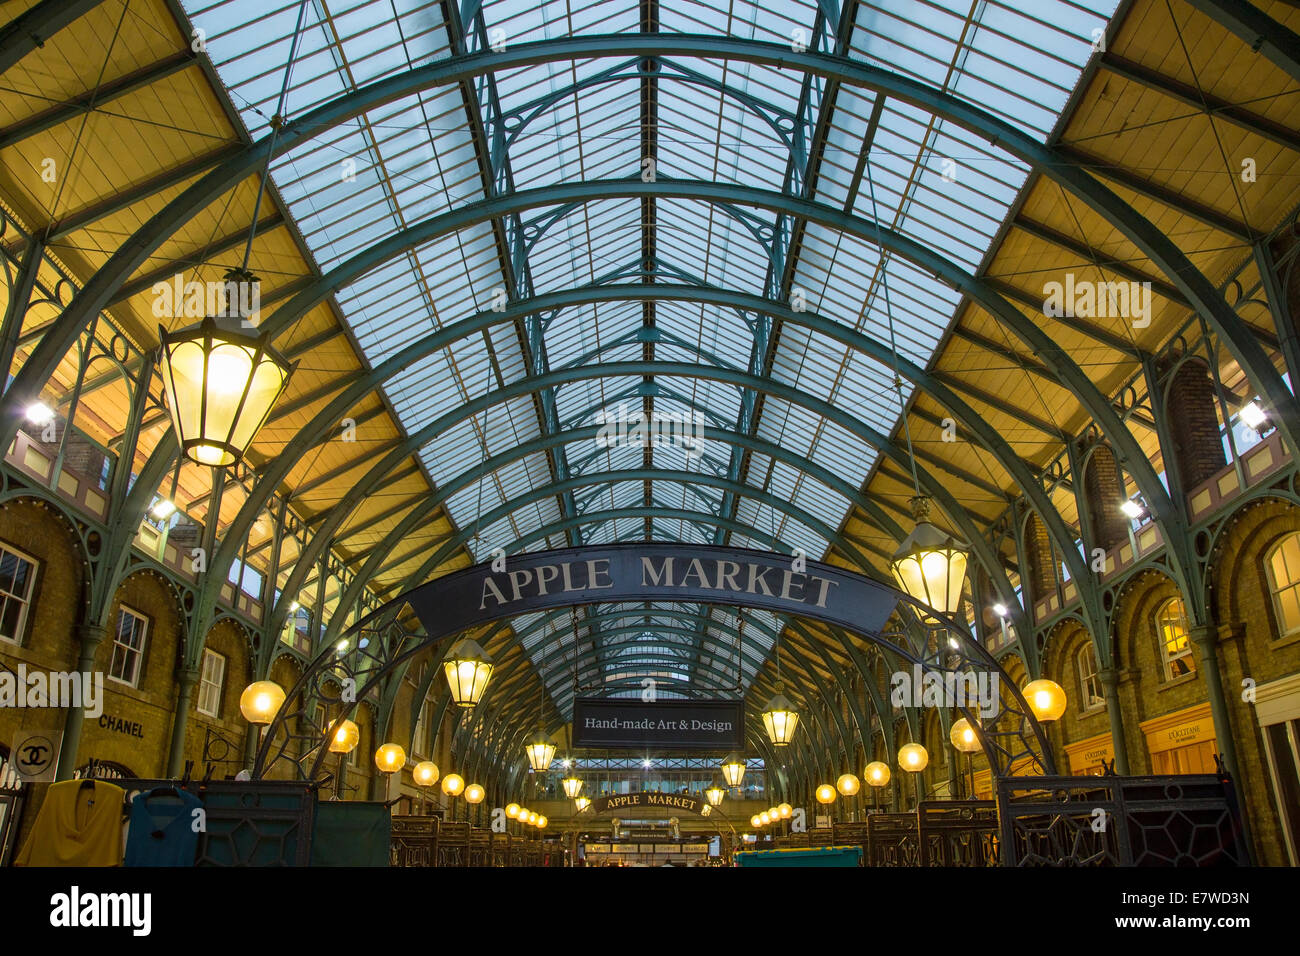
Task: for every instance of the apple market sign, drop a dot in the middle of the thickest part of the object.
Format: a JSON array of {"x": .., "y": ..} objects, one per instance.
[
  {"x": 644, "y": 571},
  {"x": 641, "y": 801}
]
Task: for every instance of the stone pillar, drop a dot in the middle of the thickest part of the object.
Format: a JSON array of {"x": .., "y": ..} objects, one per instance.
[
  {"x": 1206, "y": 639},
  {"x": 185, "y": 681},
  {"x": 89, "y": 637},
  {"x": 1109, "y": 677}
]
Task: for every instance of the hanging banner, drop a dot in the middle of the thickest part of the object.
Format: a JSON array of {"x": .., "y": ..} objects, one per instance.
[
  {"x": 701, "y": 725},
  {"x": 632, "y": 801},
  {"x": 644, "y": 571}
]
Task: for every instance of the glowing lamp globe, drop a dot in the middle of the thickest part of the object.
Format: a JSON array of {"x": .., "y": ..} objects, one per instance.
[
  {"x": 733, "y": 770},
  {"x": 786, "y": 811},
  {"x": 1045, "y": 698},
  {"x": 764, "y": 818},
  {"x": 260, "y": 701},
  {"x": 877, "y": 773},
  {"x": 714, "y": 795},
  {"x": 512, "y": 811},
  {"x": 963, "y": 736},
  {"x": 541, "y": 822},
  {"x": 572, "y": 786},
  {"x": 453, "y": 784},
  {"x": 825, "y": 793},
  {"x": 467, "y": 669},
  {"x": 474, "y": 793},
  {"x": 344, "y": 736},
  {"x": 755, "y": 822},
  {"x": 848, "y": 784},
  {"x": 930, "y": 565},
  {"x": 532, "y": 818},
  {"x": 425, "y": 773},
  {"x": 913, "y": 758},
  {"x": 780, "y": 719},
  {"x": 221, "y": 381},
  {"x": 390, "y": 758}
]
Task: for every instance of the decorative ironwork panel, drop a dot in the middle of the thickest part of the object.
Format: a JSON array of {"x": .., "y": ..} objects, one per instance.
[
  {"x": 958, "y": 833},
  {"x": 893, "y": 840},
  {"x": 414, "y": 841}
]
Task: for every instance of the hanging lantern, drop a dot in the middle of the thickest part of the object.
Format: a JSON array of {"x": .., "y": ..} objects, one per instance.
[
  {"x": 825, "y": 793},
  {"x": 930, "y": 565},
  {"x": 453, "y": 784},
  {"x": 913, "y": 758},
  {"x": 877, "y": 773},
  {"x": 572, "y": 786},
  {"x": 541, "y": 751},
  {"x": 390, "y": 758},
  {"x": 705, "y": 810},
  {"x": 714, "y": 795},
  {"x": 221, "y": 381},
  {"x": 582, "y": 803},
  {"x": 343, "y": 735},
  {"x": 848, "y": 784},
  {"x": 733, "y": 770},
  {"x": 468, "y": 669},
  {"x": 1045, "y": 698},
  {"x": 425, "y": 773},
  {"x": 963, "y": 736},
  {"x": 474, "y": 793},
  {"x": 780, "y": 719},
  {"x": 260, "y": 701}
]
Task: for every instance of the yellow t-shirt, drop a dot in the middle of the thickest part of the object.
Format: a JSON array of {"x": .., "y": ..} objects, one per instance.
[{"x": 76, "y": 827}]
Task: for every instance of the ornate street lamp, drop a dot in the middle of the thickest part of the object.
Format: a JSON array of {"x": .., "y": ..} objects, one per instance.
[
  {"x": 260, "y": 702},
  {"x": 715, "y": 795},
  {"x": 1045, "y": 698},
  {"x": 780, "y": 719},
  {"x": 930, "y": 565},
  {"x": 572, "y": 786},
  {"x": 221, "y": 381},
  {"x": 390, "y": 758},
  {"x": 914, "y": 758},
  {"x": 966, "y": 741},
  {"x": 541, "y": 751},
  {"x": 733, "y": 770},
  {"x": 582, "y": 803},
  {"x": 877, "y": 774},
  {"x": 468, "y": 669}
]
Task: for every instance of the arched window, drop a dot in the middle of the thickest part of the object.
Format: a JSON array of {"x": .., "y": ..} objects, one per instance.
[
  {"x": 1283, "y": 566},
  {"x": 1175, "y": 642},
  {"x": 1090, "y": 695}
]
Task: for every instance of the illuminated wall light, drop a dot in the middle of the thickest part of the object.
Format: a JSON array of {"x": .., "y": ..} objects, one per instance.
[{"x": 1131, "y": 509}]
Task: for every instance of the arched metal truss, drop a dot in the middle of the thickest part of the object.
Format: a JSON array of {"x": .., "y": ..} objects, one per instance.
[{"x": 526, "y": 215}]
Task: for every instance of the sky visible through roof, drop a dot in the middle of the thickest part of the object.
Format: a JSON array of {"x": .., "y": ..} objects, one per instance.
[{"x": 713, "y": 120}]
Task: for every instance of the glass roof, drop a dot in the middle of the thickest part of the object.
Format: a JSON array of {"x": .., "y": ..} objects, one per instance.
[{"x": 698, "y": 120}]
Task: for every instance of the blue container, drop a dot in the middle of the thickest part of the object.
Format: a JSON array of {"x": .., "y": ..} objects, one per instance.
[{"x": 813, "y": 856}]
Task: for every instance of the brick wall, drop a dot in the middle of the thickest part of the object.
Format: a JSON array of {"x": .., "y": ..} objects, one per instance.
[
  {"x": 1194, "y": 422},
  {"x": 1103, "y": 492},
  {"x": 1043, "y": 573}
]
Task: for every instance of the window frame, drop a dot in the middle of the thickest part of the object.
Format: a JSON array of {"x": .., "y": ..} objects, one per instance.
[
  {"x": 204, "y": 684},
  {"x": 24, "y": 617},
  {"x": 1086, "y": 650},
  {"x": 140, "y": 652},
  {"x": 1162, "y": 644},
  {"x": 1274, "y": 590}
]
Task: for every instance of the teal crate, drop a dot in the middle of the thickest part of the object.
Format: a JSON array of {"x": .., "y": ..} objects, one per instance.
[{"x": 813, "y": 856}]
